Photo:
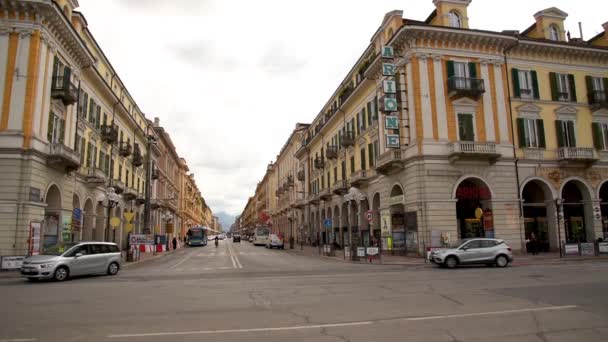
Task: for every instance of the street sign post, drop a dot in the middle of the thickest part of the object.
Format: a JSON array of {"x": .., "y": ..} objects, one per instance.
[{"x": 327, "y": 223}]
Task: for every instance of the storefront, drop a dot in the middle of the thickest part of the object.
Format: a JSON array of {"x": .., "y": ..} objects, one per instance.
[
  {"x": 537, "y": 202},
  {"x": 604, "y": 209},
  {"x": 574, "y": 212},
  {"x": 474, "y": 209}
]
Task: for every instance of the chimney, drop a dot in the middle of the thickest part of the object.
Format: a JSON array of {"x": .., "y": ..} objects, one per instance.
[
  {"x": 605, "y": 27},
  {"x": 156, "y": 122}
]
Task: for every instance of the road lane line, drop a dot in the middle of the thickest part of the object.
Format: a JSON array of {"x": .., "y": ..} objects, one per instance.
[
  {"x": 182, "y": 261},
  {"x": 347, "y": 324},
  {"x": 233, "y": 256}
]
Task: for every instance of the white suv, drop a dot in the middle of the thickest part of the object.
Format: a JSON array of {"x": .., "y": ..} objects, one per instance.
[{"x": 474, "y": 251}]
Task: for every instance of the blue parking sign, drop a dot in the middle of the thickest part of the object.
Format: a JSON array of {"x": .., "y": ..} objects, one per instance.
[{"x": 327, "y": 223}]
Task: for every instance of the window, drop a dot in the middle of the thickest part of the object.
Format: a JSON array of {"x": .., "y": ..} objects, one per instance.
[
  {"x": 600, "y": 135},
  {"x": 455, "y": 20},
  {"x": 597, "y": 88},
  {"x": 525, "y": 83},
  {"x": 370, "y": 114},
  {"x": 56, "y": 129},
  {"x": 372, "y": 160},
  {"x": 554, "y": 33},
  {"x": 466, "y": 128},
  {"x": 473, "y": 244},
  {"x": 343, "y": 169},
  {"x": 352, "y": 165},
  {"x": 363, "y": 166},
  {"x": 531, "y": 133},
  {"x": 563, "y": 87},
  {"x": 566, "y": 136}
]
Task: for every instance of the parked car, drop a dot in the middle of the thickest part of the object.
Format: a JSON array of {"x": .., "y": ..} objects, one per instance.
[
  {"x": 474, "y": 251},
  {"x": 251, "y": 238},
  {"x": 63, "y": 261},
  {"x": 236, "y": 238},
  {"x": 275, "y": 240}
]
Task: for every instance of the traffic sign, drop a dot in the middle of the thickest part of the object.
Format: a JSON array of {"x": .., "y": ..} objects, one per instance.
[
  {"x": 169, "y": 228},
  {"x": 327, "y": 223}
]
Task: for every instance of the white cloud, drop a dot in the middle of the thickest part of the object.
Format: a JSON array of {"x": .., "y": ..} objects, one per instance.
[{"x": 229, "y": 79}]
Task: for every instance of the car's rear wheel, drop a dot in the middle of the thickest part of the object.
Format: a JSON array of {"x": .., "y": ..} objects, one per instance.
[
  {"x": 502, "y": 261},
  {"x": 451, "y": 262},
  {"x": 61, "y": 273},
  {"x": 113, "y": 269}
]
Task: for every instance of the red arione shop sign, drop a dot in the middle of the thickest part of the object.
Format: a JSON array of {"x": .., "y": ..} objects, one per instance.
[{"x": 473, "y": 192}]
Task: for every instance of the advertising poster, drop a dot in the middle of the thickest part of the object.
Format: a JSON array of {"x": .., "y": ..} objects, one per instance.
[
  {"x": 385, "y": 223},
  {"x": 34, "y": 241}
]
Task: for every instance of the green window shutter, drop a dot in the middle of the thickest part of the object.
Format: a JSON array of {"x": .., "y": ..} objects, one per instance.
[
  {"x": 61, "y": 131},
  {"x": 55, "y": 66},
  {"x": 370, "y": 149},
  {"x": 516, "y": 86},
  {"x": 535, "y": 87},
  {"x": 98, "y": 118},
  {"x": 572, "y": 133},
  {"x": 572, "y": 88},
  {"x": 376, "y": 102},
  {"x": 553, "y": 81},
  {"x": 352, "y": 164},
  {"x": 49, "y": 133},
  {"x": 521, "y": 132},
  {"x": 472, "y": 70},
  {"x": 596, "y": 129},
  {"x": 363, "y": 166},
  {"x": 559, "y": 131},
  {"x": 450, "y": 67},
  {"x": 540, "y": 127}
]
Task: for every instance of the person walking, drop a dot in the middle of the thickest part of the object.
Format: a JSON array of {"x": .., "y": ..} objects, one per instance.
[
  {"x": 533, "y": 244},
  {"x": 174, "y": 243}
]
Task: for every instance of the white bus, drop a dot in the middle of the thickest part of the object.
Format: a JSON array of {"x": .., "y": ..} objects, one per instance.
[{"x": 260, "y": 236}]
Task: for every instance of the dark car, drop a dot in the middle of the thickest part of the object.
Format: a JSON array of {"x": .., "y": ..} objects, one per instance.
[{"x": 236, "y": 238}]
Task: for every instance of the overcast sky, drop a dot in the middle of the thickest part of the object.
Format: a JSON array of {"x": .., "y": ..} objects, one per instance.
[{"x": 229, "y": 79}]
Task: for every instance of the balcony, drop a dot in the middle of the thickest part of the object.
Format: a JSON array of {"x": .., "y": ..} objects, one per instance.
[
  {"x": 389, "y": 162},
  {"x": 63, "y": 157},
  {"x": 577, "y": 155},
  {"x": 332, "y": 152},
  {"x": 300, "y": 201},
  {"x": 95, "y": 176},
  {"x": 140, "y": 199},
  {"x": 461, "y": 86},
  {"x": 301, "y": 175},
  {"x": 118, "y": 185},
  {"x": 138, "y": 159},
  {"x": 319, "y": 163},
  {"x": 129, "y": 194},
  {"x": 473, "y": 150},
  {"x": 313, "y": 198},
  {"x": 125, "y": 149},
  {"x": 155, "y": 203},
  {"x": 360, "y": 178},
  {"x": 537, "y": 154},
  {"x": 63, "y": 89},
  {"x": 348, "y": 139},
  {"x": 325, "y": 194},
  {"x": 155, "y": 173},
  {"x": 109, "y": 133},
  {"x": 598, "y": 99},
  {"x": 340, "y": 188}
]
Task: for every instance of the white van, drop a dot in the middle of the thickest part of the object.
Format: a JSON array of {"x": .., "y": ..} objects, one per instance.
[{"x": 261, "y": 236}]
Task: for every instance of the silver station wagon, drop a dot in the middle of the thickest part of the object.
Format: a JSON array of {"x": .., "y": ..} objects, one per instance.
[
  {"x": 474, "y": 251},
  {"x": 76, "y": 259}
]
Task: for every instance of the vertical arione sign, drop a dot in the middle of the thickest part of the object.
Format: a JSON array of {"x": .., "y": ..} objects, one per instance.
[
  {"x": 76, "y": 219},
  {"x": 389, "y": 101}
]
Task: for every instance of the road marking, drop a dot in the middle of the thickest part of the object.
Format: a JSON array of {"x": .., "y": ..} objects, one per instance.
[
  {"x": 234, "y": 258},
  {"x": 182, "y": 261},
  {"x": 347, "y": 324},
  {"x": 19, "y": 340}
]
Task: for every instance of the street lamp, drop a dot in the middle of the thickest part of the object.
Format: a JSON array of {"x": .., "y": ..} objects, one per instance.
[{"x": 112, "y": 199}]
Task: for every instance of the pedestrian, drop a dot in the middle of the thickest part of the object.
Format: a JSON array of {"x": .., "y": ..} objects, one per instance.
[
  {"x": 534, "y": 244},
  {"x": 174, "y": 243}
]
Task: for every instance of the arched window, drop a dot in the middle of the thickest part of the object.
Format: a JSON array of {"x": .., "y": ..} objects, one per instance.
[
  {"x": 554, "y": 33},
  {"x": 455, "y": 20}
]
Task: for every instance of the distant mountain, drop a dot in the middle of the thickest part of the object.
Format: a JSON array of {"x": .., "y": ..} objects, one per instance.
[{"x": 225, "y": 219}]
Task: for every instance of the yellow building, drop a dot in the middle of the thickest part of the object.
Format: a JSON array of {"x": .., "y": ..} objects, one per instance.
[
  {"x": 72, "y": 136},
  {"x": 421, "y": 143}
]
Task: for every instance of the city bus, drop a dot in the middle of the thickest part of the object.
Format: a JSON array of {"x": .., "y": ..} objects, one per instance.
[
  {"x": 197, "y": 236},
  {"x": 260, "y": 236}
]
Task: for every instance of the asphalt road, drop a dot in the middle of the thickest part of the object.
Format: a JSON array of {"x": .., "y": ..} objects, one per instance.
[{"x": 238, "y": 292}]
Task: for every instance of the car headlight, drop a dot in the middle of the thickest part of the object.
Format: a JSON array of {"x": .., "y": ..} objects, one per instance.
[{"x": 46, "y": 265}]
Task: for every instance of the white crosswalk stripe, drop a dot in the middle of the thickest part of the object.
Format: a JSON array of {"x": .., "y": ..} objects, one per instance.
[{"x": 200, "y": 269}]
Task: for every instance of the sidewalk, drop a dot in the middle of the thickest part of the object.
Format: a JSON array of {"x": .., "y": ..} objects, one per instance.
[{"x": 387, "y": 259}]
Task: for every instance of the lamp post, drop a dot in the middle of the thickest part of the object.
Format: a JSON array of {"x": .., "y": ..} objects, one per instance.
[
  {"x": 167, "y": 217},
  {"x": 558, "y": 207},
  {"x": 113, "y": 199}
]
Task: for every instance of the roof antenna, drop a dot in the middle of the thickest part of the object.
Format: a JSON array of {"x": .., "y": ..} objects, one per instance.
[{"x": 580, "y": 28}]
